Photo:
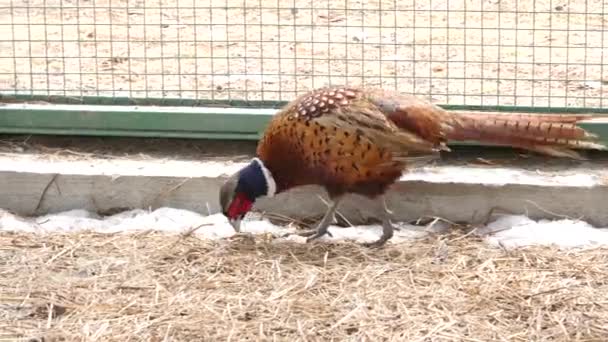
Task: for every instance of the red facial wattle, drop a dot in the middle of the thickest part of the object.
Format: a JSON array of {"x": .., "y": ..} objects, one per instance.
[{"x": 240, "y": 205}]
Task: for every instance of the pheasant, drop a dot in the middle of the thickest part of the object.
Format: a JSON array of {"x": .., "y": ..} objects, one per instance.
[{"x": 360, "y": 140}]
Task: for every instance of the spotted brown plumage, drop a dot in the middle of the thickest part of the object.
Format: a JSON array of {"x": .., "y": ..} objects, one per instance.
[
  {"x": 317, "y": 140},
  {"x": 356, "y": 140}
]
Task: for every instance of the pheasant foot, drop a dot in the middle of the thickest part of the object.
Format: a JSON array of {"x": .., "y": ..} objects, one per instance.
[
  {"x": 387, "y": 233},
  {"x": 322, "y": 227}
]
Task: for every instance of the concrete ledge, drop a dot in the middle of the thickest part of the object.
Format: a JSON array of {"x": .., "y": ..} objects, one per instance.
[{"x": 37, "y": 183}]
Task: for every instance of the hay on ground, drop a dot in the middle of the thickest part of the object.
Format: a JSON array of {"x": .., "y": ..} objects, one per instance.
[{"x": 125, "y": 287}]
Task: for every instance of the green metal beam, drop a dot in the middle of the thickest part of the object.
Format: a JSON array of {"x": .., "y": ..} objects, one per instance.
[
  {"x": 156, "y": 121},
  {"x": 185, "y": 122}
]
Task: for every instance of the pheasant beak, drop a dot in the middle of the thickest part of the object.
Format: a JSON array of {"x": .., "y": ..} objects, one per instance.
[{"x": 236, "y": 224}]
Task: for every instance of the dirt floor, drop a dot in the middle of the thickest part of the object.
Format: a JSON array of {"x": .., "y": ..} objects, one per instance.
[
  {"x": 86, "y": 286},
  {"x": 539, "y": 53}
]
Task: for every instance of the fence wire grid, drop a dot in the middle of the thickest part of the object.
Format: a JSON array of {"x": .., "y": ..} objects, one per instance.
[{"x": 548, "y": 53}]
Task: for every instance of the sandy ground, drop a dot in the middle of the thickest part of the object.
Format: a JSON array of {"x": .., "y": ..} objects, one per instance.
[{"x": 454, "y": 52}]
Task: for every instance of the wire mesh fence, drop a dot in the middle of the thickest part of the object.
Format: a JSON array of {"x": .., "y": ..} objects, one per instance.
[{"x": 459, "y": 52}]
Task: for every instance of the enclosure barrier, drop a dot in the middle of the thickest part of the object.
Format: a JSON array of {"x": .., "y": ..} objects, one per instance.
[{"x": 220, "y": 69}]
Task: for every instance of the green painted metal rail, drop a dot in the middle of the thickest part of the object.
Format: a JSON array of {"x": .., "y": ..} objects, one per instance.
[
  {"x": 175, "y": 118},
  {"x": 142, "y": 121}
]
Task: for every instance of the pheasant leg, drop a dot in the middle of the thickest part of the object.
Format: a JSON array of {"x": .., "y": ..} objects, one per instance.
[
  {"x": 387, "y": 234},
  {"x": 387, "y": 227},
  {"x": 324, "y": 224}
]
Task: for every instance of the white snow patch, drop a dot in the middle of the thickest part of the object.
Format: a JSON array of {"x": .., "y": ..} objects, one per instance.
[
  {"x": 518, "y": 230},
  {"x": 499, "y": 176},
  {"x": 117, "y": 167},
  {"x": 177, "y": 221},
  {"x": 510, "y": 231}
]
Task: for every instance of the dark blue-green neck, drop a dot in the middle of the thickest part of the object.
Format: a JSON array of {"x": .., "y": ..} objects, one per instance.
[{"x": 255, "y": 180}]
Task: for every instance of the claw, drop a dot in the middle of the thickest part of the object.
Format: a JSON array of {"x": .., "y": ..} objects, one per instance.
[
  {"x": 387, "y": 234},
  {"x": 314, "y": 234},
  {"x": 323, "y": 225}
]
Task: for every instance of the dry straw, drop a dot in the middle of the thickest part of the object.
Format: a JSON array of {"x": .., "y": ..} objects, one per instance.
[{"x": 148, "y": 286}]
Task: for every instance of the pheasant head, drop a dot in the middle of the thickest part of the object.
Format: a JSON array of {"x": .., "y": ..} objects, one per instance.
[{"x": 241, "y": 190}]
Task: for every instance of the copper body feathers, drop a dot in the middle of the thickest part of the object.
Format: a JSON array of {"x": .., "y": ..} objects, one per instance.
[{"x": 360, "y": 140}]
